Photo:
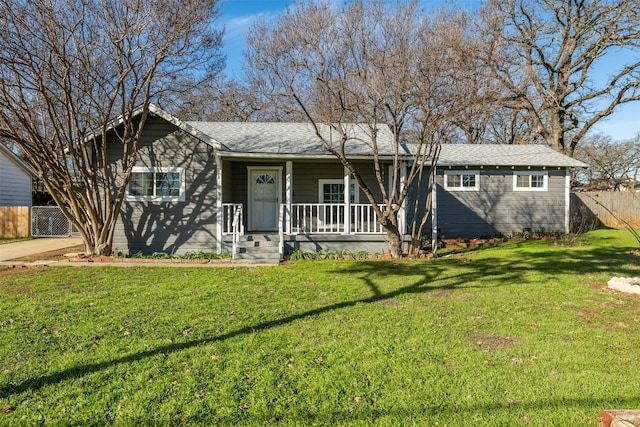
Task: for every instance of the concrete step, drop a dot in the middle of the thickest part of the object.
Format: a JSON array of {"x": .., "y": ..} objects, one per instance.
[
  {"x": 258, "y": 244},
  {"x": 260, "y": 238},
  {"x": 258, "y": 248}
]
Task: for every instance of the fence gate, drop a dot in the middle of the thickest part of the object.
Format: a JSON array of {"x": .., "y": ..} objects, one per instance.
[{"x": 49, "y": 221}]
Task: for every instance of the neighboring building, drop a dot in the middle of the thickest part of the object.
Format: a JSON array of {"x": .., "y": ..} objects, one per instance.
[
  {"x": 15, "y": 179},
  {"x": 199, "y": 185}
]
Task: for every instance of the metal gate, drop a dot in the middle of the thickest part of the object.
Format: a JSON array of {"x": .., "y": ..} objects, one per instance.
[{"x": 49, "y": 221}]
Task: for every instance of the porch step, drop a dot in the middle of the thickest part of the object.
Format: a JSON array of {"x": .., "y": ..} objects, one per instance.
[{"x": 258, "y": 248}]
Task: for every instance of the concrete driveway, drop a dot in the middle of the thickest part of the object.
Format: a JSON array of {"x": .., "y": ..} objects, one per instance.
[{"x": 9, "y": 251}]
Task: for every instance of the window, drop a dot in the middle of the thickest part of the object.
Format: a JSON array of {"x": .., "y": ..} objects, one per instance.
[
  {"x": 265, "y": 178},
  {"x": 332, "y": 191},
  {"x": 530, "y": 181},
  {"x": 462, "y": 180},
  {"x": 156, "y": 184}
]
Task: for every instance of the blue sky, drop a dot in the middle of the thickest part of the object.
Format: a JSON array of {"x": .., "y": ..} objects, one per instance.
[{"x": 238, "y": 15}]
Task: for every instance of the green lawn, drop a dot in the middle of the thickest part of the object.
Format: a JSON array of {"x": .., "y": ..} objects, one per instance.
[
  {"x": 4, "y": 240},
  {"x": 521, "y": 334}
]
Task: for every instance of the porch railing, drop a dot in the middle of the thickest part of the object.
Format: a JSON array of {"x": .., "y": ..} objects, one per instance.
[
  {"x": 310, "y": 218},
  {"x": 281, "y": 227},
  {"x": 329, "y": 218},
  {"x": 238, "y": 230},
  {"x": 229, "y": 211}
]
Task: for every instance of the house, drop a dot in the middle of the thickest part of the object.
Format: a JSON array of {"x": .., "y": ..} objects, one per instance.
[
  {"x": 15, "y": 178},
  {"x": 266, "y": 189},
  {"x": 271, "y": 183}
]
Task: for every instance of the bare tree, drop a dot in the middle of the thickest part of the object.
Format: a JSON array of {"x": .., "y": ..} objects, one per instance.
[
  {"x": 510, "y": 126},
  {"x": 68, "y": 67},
  {"x": 614, "y": 165},
  {"x": 480, "y": 99},
  {"x": 545, "y": 53},
  {"x": 225, "y": 100},
  {"x": 229, "y": 100},
  {"x": 369, "y": 63}
]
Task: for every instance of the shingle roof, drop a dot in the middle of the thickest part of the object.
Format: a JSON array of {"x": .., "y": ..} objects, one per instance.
[
  {"x": 504, "y": 155},
  {"x": 300, "y": 140},
  {"x": 291, "y": 138}
]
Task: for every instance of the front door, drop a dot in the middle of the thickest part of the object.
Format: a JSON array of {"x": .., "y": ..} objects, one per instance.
[{"x": 264, "y": 198}]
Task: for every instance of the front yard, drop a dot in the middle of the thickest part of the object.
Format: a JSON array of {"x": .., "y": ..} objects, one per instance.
[{"x": 521, "y": 334}]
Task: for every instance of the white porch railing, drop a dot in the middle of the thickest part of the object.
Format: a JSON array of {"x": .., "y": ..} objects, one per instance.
[
  {"x": 281, "y": 227},
  {"x": 238, "y": 230},
  {"x": 229, "y": 211},
  {"x": 310, "y": 218},
  {"x": 365, "y": 219},
  {"x": 329, "y": 218}
]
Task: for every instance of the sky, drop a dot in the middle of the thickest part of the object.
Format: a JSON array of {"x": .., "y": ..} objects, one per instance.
[{"x": 238, "y": 15}]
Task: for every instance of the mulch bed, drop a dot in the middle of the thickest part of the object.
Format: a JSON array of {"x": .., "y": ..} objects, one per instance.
[
  {"x": 122, "y": 260},
  {"x": 470, "y": 243}
]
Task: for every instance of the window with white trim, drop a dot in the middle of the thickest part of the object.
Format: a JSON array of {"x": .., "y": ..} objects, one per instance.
[
  {"x": 530, "y": 181},
  {"x": 332, "y": 191},
  {"x": 461, "y": 180},
  {"x": 156, "y": 184}
]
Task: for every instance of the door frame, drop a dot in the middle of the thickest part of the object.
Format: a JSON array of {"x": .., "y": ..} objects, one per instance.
[{"x": 250, "y": 170}]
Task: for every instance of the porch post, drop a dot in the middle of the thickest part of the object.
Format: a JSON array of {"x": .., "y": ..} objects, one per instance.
[
  {"x": 567, "y": 201},
  {"x": 347, "y": 201},
  {"x": 288, "y": 194},
  {"x": 403, "y": 211},
  {"x": 434, "y": 213},
  {"x": 219, "y": 209}
]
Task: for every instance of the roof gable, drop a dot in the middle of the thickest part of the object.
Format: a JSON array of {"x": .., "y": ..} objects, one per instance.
[
  {"x": 12, "y": 157},
  {"x": 294, "y": 139},
  {"x": 154, "y": 110}
]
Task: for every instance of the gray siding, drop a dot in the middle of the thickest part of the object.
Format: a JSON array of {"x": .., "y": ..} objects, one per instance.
[
  {"x": 173, "y": 227},
  {"x": 496, "y": 209},
  {"x": 305, "y": 177},
  {"x": 15, "y": 184}
]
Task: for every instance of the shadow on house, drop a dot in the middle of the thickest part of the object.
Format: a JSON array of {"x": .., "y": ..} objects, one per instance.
[{"x": 175, "y": 226}]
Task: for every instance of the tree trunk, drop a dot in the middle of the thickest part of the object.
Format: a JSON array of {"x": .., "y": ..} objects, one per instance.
[
  {"x": 395, "y": 241},
  {"x": 418, "y": 228}
]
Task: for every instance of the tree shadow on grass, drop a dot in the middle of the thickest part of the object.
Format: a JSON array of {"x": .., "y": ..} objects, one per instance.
[
  {"x": 381, "y": 269},
  {"x": 432, "y": 276},
  {"x": 480, "y": 413},
  {"x": 585, "y": 260},
  {"x": 558, "y": 257}
]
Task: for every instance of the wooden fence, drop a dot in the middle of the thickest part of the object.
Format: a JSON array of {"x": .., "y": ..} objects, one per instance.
[
  {"x": 14, "y": 221},
  {"x": 608, "y": 208}
]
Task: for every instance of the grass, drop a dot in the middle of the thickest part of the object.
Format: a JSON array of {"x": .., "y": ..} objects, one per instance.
[
  {"x": 4, "y": 240},
  {"x": 520, "y": 334}
]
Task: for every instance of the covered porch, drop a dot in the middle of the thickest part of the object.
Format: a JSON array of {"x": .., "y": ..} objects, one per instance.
[{"x": 300, "y": 203}]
